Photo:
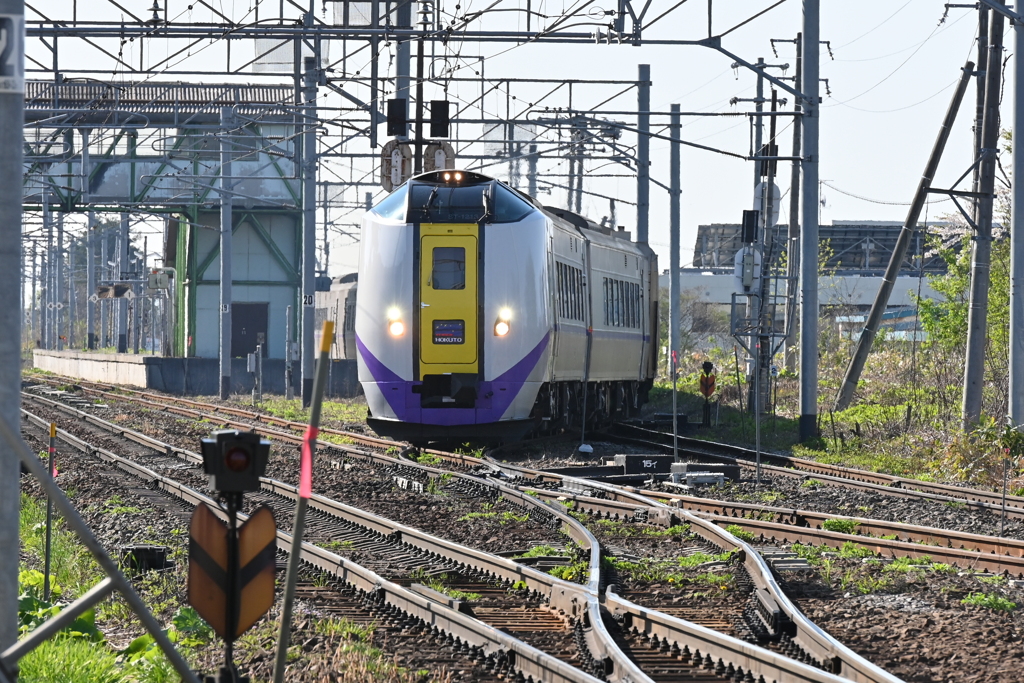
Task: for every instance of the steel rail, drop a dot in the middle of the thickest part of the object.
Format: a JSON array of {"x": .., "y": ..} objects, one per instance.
[
  {"x": 809, "y": 637},
  {"x": 528, "y": 660}
]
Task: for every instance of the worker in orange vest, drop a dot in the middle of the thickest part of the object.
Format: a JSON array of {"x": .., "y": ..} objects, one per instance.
[{"x": 707, "y": 387}]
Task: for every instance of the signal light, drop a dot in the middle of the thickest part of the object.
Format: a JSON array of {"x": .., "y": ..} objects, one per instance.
[{"x": 235, "y": 460}]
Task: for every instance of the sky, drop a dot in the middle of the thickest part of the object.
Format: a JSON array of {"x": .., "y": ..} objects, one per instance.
[{"x": 891, "y": 71}]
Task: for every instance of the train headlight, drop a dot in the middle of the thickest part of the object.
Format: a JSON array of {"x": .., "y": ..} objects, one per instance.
[
  {"x": 395, "y": 325},
  {"x": 504, "y": 323}
]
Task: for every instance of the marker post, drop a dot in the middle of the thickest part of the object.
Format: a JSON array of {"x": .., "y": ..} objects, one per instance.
[{"x": 305, "y": 491}]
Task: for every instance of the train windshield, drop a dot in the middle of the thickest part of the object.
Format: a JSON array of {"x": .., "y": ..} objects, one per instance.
[
  {"x": 464, "y": 204},
  {"x": 393, "y": 206}
]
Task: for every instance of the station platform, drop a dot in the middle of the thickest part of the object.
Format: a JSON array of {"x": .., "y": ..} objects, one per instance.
[{"x": 187, "y": 376}]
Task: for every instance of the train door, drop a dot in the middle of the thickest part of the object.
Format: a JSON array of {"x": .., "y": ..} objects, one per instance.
[{"x": 448, "y": 316}]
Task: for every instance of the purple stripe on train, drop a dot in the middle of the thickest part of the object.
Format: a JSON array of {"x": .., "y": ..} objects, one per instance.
[{"x": 493, "y": 397}]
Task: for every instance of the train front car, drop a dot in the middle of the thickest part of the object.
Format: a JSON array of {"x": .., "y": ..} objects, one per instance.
[{"x": 453, "y": 329}]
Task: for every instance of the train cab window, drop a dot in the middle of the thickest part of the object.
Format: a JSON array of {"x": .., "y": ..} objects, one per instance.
[
  {"x": 508, "y": 206},
  {"x": 393, "y": 206},
  {"x": 449, "y": 268}
]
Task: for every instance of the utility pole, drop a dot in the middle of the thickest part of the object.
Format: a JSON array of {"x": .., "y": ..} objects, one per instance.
[
  {"x": 12, "y": 103},
  {"x": 122, "y": 303},
  {"x": 58, "y": 285},
  {"x": 793, "y": 236},
  {"x": 675, "y": 191},
  {"x": 809, "y": 228},
  {"x": 47, "y": 294},
  {"x": 874, "y": 319},
  {"x": 981, "y": 257},
  {"x": 227, "y": 122},
  {"x": 308, "y": 226},
  {"x": 90, "y": 282},
  {"x": 643, "y": 153},
  {"x": 104, "y": 308},
  {"x": 72, "y": 306},
  {"x": 403, "y": 60},
  {"x": 1016, "y": 399}
]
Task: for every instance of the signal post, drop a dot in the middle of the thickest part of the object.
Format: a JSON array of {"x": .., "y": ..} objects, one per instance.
[{"x": 231, "y": 568}]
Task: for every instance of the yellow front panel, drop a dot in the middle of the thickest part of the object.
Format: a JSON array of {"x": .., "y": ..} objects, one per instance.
[{"x": 448, "y": 298}]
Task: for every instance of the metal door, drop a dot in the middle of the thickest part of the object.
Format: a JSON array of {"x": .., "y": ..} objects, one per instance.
[
  {"x": 448, "y": 333},
  {"x": 248, "y": 328}
]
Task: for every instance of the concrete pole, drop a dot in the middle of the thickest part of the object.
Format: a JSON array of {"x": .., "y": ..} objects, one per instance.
[
  {"x": 758, "y": 128},
  {"x": 58, "y": 285},
  {"x": 227, "y": 117},
  {"x": 47, "y": 299},
  {"x": 104, "y": 323},
  {"x": 12, "y": 26},
  {"x": 675, "y": 190},
  {"x": 874, "y": 319},
  {"x": 90, "y": 282},
  {"x": 793, "y": 238},
  {"x": 643, "y": 153},
  {"x": 809, "y": 227},
  {"x": 122, "y": 304},
  {"x": 72, "y": 292},
  {"x": 1016, "y": 407},
  {"x": 755, "y": 306},
  {"x": 979, "y": 106},
  {"x": 981, "y": 257},
  {"x": 308, "y": 228},
  {"x": 33, "y": 303}
]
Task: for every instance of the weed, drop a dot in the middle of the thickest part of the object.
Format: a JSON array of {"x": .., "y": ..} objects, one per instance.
[
  {"x": 542, "y": 551},
  {"x": 907, "y": 564},
  {"x": 509, "y": 517},
  {"x": 851, "y": 550},
  {"x": 677, "y": 530},
  {"x": 955, "y": 505},
  {"x": 991, "y": 601},
  {"x": 425, "y": 458},
  {"x": 436, "y": 484},
  {"x": 737, "y": 531},
  {"x": 344, "y": 628},
  {"x": 577, "y": 572},
  {"x": 771, "y": 496},
  {"x": 992, "y": 579},
  {"x": 339, "y": 545},
  {"x": 476, "y": 515},
  {"x": 842, "y": 526},
  {"x": 810, "y": 483},
  {"x": 519, "y": 586}
]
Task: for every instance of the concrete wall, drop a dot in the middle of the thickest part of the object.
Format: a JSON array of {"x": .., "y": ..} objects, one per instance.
[{"x": 187, "y": 376}]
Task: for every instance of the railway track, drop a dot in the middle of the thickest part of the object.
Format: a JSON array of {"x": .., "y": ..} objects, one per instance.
[
  {"x": 674, "y": 638},
  {"x": 789, "y": 466}
]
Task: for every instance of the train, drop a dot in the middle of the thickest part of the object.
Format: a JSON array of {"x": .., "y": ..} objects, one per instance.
[{"x": 483, "y": 316}]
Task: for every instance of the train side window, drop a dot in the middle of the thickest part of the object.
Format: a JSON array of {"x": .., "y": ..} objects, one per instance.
[
  {"x": 580, "y": 310},
  {"x": 449, "y": 269}
]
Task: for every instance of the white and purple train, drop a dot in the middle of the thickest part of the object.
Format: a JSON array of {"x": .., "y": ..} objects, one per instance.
[{"x": 483, "y": 316}]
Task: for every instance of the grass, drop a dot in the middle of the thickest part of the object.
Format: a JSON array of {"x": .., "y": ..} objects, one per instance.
[
  {"x": 332, "y": 410},
  {"x": 72, "y": 566},
  {"x": 667, "y": 571},
  {"x": 70, "y": 660}
]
